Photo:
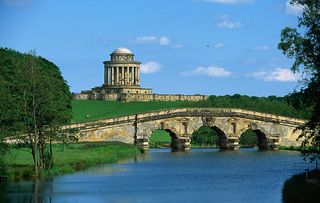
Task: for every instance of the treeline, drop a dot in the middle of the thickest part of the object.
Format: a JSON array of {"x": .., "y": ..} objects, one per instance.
[{"x": 290, "y": 105}]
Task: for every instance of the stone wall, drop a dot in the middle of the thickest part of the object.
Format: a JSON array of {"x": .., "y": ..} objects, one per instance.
[
  {"x": 128, "y": 97},
  {"x": 127, "y": 90}
]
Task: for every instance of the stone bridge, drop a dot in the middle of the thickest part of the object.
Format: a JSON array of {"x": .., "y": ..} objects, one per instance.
[{"x": 271, "y": 130}]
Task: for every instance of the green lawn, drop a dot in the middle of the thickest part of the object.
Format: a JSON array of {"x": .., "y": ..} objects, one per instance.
[
  {"x": 89, "y": 110},
  {"x": 160, "y": 136},
  {"x": 69, "y": 158}
]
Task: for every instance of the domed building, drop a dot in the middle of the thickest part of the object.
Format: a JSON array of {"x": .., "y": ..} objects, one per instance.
[
  {"x": 122, "y": 82},
  {"x": 122, "y": 75}
]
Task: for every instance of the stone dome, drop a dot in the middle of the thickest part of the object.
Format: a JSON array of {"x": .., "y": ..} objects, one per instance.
[{"x": 122, "y": 50}]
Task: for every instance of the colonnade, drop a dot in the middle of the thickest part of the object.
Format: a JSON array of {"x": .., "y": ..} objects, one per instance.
[{"x": 122, "y": 75}]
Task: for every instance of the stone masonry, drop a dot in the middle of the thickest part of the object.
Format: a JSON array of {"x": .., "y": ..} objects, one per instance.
[{"x": 271, "y": 130}]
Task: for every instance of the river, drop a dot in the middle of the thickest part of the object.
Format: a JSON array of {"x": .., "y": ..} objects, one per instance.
[{"x": 201, "y": 175}]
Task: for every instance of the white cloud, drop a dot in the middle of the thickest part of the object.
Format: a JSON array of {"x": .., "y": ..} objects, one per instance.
[
  {"x": 230, "y": 1},
  {"x": 150, "y": 67},
  {"x": 218, "y": 45},
  {"x": 261, "y": 48},
  {"x": 212, "y": 71},
  {"x": 229, "y": 24},
  {"x": 145, "y": 39},
  {"x": 295, "y": 9},
  {"x": 164, "y": 41},
  {"x": 278, "y": 74}
]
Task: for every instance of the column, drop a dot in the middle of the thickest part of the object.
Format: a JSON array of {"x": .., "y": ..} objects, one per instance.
[
  {"x": 134, "y": 76},
  {"x": 138, "y": 75},
  {"x": 122, "y": 75},
  {"x": 125, "y": 76},
  {"x": 119, "y": 75},
  {"x": 116, "y": 75},
  {"x": 105, "y": 75},
  {"x": 130, "y": 75},
  {"x": 109, "y": 75},
  {"x": 107, "y": 78},
  {"x": 112, "y": 75}
]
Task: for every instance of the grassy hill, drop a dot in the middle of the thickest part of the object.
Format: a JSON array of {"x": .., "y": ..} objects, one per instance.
[{"x": 89, "y": 110}]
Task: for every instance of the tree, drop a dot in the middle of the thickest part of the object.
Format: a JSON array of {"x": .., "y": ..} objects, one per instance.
[
  {"x": 205, "y": 136},
  {"x": 7, "y": 116},
  {"x": 41, "y": 99},
  {"x": 303, "y": 46},
  {"x": 248, "y": 139}
]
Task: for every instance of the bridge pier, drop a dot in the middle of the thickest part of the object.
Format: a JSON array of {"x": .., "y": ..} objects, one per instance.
[
  {"x": 231, "y": 143},
  {"x": 177, "y": 144},
  {"x": 181, "y": 144},
  {"x": 273, "y": 143},
  {"x": 142, "y": 144}
]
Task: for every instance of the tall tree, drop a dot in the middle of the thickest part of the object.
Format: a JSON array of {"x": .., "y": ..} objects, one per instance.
[
  {"x": 41, "y": 99},
  {"x": 303, "y": 46}
]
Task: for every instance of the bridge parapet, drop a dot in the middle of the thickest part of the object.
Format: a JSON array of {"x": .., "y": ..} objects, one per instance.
[{"x": 183, "y": 112}]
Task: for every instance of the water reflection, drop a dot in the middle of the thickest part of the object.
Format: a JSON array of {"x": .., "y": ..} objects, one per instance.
[
  {"x": 31, "y": 191},
  {"x": 202, "y": 175}
]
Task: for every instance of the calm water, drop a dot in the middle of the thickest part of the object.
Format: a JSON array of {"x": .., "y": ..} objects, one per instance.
[{"x": 202, "y": 175}]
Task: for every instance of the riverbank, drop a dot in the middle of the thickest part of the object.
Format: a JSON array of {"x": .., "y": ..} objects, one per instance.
[
  {"x": 302, "y": 188},
  {"x": 68, "y": 158}
]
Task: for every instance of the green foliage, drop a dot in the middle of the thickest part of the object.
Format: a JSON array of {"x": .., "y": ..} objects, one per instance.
[
  {"x": 70, "y": 158},
  {"x": 35, "y": 99},
  {"x": 205, "y": 136},
  {"x": 25, "y": 76},
  {"x": 294, "y": 148},
  {"x": 298, "y": 189},
  {"x": 248, "y": 139},
  {"x": 303, "y": 46},
  {"x": 3, "y": 169},
  {"x": 272, "y": 104},
  {"x": 160, "y": 138}
]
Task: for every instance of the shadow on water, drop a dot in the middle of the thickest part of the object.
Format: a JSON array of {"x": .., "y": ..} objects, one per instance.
[{"x": 29, "y": 191}]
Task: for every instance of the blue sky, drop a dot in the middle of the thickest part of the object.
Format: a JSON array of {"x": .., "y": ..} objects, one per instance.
[{"x": 186, "y": 46}]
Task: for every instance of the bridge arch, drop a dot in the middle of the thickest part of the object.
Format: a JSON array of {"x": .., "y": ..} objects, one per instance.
[
  {"x": 223, "y": 140},
  {"x": 265, "y": 138},
  {"x": 260, "y": 139},
  {"x": 178, "y": 142}
]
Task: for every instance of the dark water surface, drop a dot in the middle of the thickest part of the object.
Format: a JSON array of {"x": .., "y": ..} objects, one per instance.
[{"x": 202, "y": 175}]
